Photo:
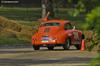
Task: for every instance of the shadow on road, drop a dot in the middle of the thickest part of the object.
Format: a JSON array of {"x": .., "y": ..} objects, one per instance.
[
  {"x": 29, "y": 51},
  {"x": 23, "y": 62}
]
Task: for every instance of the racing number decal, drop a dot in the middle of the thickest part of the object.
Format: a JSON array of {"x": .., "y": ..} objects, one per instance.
[{"x": 76, "y": 36}]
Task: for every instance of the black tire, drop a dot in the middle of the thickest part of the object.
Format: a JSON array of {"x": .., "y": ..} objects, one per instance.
[
  {"x": 67, "y": 44},
  {"x": 78, "y": 46},
  {"x": 36, "y": 47},
  {"x": 50, "y": 47},
  {"x": 83, "y": 36}
]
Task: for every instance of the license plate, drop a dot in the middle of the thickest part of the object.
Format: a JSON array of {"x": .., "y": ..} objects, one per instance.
[{"x": 45, "y": 39}]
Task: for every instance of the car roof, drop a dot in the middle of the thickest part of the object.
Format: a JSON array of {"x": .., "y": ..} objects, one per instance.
[{"x": 57, "y": 20}]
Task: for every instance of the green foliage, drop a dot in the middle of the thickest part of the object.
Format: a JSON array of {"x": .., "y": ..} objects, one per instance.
[
  {"x": 96, "y": 61},
  {"x": 93, "y": 24},
  {"x": 26, "y": 14},
  {"x": 93, "y": 19},
  {"x": 11, "y": 41},
  {"x": 95, "y": 14}
]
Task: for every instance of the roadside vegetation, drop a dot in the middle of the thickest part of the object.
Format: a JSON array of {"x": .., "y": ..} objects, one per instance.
[
  {"x": 96, "y": 61},
  {"x": 93, "y": 24},
  {"x": 15, "y": 32},
  {"x": 32, "y": 14},
  {"x": 17, "y": 13}
]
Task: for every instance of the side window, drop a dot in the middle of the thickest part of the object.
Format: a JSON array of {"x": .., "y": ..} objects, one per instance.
[{"x": 67, "y": 26}]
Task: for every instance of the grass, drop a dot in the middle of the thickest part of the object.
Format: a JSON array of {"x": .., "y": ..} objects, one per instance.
[
  {"x": 12, "y": 41},
  {"x": 31, "y": 14},
  {"x": 26, "y": 14},
  {"x": 96, "y": 61},
  {"x": 29, "y": 23},
  {"x": 12, "y": 31}
]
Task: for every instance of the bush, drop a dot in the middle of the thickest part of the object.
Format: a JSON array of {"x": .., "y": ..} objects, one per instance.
[
  {"x": 9, "y": 24},
  {"x": 12, "y": 29},
  {"x": 93, "y": 24},
  {"x": 96, "y": 61}
]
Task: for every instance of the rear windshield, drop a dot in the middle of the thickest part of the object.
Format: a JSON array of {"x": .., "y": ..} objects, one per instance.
[{"x": 51, "y": 24}]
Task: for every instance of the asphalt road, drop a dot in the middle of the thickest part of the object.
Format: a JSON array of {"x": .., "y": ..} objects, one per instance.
[{"x": 58, "y": 57}]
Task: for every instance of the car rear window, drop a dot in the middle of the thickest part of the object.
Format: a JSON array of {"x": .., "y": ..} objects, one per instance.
[{"x": 51, "y": 24}]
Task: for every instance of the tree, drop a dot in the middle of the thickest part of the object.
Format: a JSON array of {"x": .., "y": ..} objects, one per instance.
[{"x": 47, "y": 6}]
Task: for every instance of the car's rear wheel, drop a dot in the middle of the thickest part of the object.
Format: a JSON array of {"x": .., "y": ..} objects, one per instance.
[
  {"x": 36, "y": 47},
  {"x": 78, "y": 46},
  {"x": 50, "y": 47},
  {"x": 67, "y": 44}
]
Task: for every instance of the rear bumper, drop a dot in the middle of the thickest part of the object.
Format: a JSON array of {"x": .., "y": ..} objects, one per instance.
[
  {"x": 47, "y": 43},
  {"x": 41, "y": 43}
]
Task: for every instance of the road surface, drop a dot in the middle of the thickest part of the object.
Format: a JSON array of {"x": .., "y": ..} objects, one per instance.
[{"x": 58, "y": 57}]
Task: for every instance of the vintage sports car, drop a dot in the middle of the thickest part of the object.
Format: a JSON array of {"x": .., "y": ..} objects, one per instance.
[{"x": 55, "y": 32}]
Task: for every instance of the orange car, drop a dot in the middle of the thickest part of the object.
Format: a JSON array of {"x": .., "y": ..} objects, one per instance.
[{"x": 52, "y": 33}]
